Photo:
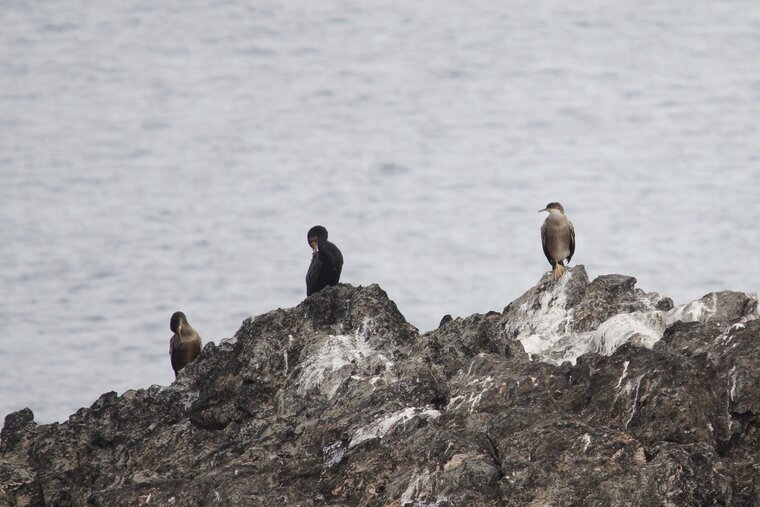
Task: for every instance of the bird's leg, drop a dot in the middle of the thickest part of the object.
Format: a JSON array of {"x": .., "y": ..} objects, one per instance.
[{"x": 559, "y": 270}]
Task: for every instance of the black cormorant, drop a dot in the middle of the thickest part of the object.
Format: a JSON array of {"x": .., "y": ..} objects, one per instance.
[{"x": 326, "y": 261}]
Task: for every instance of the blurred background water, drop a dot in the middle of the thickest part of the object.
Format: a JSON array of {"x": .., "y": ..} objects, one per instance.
[{"x": 157, "y": 156}]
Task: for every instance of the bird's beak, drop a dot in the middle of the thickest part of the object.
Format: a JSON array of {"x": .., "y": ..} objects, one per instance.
[
  {"x": 314, "y": 244},
  {"x": 545, "y": 209}
]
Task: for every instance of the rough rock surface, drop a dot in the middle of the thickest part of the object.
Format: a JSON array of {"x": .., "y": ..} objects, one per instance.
[{"x": 339, "y": 401}]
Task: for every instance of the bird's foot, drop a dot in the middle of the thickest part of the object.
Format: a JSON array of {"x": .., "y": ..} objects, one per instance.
[{"x": 559, "y": 270}]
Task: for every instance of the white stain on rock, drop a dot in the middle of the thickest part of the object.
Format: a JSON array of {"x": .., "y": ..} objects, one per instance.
[
  {"x": 333, "y": 453},
  {"x": 635, "y": 401},
  {"x": 479, "y": 387},
  {"x": 419, "y": 492},
  {"x": 586, "y": 441},
  {"x": 383, "y": 425},
  {"x": 539, "y": 327},
  {"x": 546, "y": 328},
  {"x": 622, "y": 375},
  {"x": 339, "y": 357}
]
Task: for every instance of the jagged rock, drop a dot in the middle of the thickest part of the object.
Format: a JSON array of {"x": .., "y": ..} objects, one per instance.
[
  {"x": 559, "y": 321},
  {"x": 579, "y": 393}
]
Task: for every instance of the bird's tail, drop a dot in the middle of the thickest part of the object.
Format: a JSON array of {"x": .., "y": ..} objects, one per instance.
[{"x": 559, "y": 270}]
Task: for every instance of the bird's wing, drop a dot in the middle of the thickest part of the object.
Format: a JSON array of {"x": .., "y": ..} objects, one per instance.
[
  {"x": 312, "y": 275},
  {"x": 174, "y": 342},
  {"x": 338, "y": 261},
  {"x": 171, "y": 354},
  {"x": 544, "y": 245},
  {"x": 331, "y": 257},
  {"x": 196, "y": 348},
  {"x": 572, "y": 240}
]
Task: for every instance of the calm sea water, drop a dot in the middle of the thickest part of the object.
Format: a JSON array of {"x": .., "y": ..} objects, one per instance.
[{"x": 171, "y": 156}]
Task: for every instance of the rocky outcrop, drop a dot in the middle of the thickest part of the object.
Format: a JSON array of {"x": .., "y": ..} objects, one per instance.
[{"x": 578, "y": 393}]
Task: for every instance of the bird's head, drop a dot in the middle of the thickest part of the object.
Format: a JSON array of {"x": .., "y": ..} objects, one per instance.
[
  {"x": 553, "y": 206},
  {"x": 175, "y": 324},
  {"x": 315, "y": 235}
]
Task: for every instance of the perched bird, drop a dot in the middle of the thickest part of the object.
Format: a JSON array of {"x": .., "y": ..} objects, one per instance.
[
  {"x": 185, "y": 344},
  {"x": 326, "y": 261},
  {"x": 557, "y": 238}
]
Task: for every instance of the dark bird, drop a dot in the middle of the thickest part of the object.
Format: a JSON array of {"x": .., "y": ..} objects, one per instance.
[
  {"x": 557, "y": 238},
  {"x": 185, "y": 344},
  {"x": 326, "y": 261}
]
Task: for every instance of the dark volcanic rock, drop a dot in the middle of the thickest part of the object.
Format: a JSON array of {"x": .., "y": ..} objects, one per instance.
[{"x": 339, "y": 401}]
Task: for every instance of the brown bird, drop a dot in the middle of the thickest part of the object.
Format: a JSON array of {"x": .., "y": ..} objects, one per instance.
[
  {"x": 185, "y": 344},
  {"x": 557, "y": 238}
]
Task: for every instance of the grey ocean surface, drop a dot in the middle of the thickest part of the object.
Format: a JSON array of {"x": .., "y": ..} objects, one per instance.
[{"x": 162, "y": 156}]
